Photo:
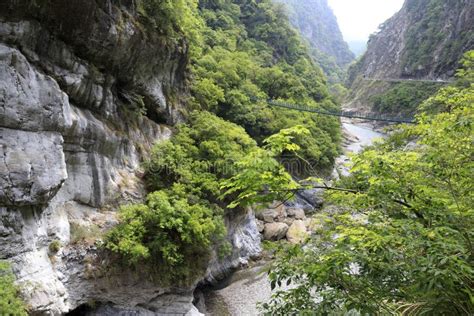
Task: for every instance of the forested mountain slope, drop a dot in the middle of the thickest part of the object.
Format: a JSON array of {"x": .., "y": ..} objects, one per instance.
[
  {"x": 251, "y": 52},
  {"x": 424, "y": 40},
  {"x": 317, "y": 23}
]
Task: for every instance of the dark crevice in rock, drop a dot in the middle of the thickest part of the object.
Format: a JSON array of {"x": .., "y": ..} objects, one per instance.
[
  {"x": 96, "y": 183},
  {"x": 81, "y": 310},
  {"x": 134, "y": 104}
]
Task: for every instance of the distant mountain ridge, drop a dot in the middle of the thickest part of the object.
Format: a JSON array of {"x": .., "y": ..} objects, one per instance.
[{"x": 318, "y": 25}]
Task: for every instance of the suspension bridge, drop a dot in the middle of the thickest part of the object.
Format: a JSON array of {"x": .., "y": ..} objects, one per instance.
[
  {"x": 359, "y": 115},
  {"x": 438, "y": 81},
  {"x": 348, "y": 114}
]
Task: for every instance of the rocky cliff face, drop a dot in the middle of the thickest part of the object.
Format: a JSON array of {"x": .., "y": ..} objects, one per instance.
[
  {"x": 318, "y": 25},
  {"x": 424, "y": 40},
  {"x": 75, "y": 79}
]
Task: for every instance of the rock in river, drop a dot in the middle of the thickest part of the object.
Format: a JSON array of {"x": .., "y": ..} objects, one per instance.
[
  {"x": 297, "y": 233},
  {"x": 275, "y": 231}
]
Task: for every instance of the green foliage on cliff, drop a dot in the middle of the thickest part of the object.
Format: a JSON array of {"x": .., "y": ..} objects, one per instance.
[
  {"x": 404, "y": 97},
  {"x": 251, "y": 53},
  {"x": 174, "y": 232},
  {"x": 170, "y": 233},
  {"x": 10, "y": 303},
  {"x": 429, "y": 27},
  {"x": 182, "y": 218},
  {"x": 316, "y": 23},
  {"x": 242, "y": 51},
  {"x": 198, "y": 156},
  {"x": 335, "y": 73},
  {"x": 461, "y": 94},
  {"x": 465, "y": 75},
  {"x": 173, "y": 18},
  {"x": 401, "y": 239},
  {"x": 260, "y": 177}
]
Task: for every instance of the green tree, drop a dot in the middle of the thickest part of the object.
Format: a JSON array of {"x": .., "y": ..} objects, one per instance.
[
  {"x": 465, "y": 75},
  {"x": 261, "y": 178}
]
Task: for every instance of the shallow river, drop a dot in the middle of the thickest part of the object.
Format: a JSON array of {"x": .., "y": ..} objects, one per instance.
[
  {"x": 239, "y": 295},
  {"x": 364, "y": 134}
]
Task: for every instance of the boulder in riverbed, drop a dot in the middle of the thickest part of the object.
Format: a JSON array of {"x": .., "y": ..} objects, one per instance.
[
  {"x": 260, "y": 226},
  {"x": 288, "y": 221},
  {"x": 275, "y": 214},
  {"x": 275, "y": 231},
  {"x": 297, "y": 213},
  {"x": 297, "y": 233}
]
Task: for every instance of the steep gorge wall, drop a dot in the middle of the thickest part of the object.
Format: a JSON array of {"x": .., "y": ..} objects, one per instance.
[
  {"x": 74, "y": 78},
  {"x": 318, "y": 25},
  {"x": 424, "y": 40}
]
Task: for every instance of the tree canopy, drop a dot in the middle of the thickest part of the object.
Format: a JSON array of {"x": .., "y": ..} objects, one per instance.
[{"x": 251, "y": 53}]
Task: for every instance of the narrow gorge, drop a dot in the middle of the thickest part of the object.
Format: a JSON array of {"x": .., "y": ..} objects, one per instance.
[{"x": 145, "y": 170}]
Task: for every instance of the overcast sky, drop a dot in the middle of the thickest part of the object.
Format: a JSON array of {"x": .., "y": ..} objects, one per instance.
[{"x": 360, "y": 18}]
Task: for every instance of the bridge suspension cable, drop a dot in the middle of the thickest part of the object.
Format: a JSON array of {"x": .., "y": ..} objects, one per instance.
[
  {"x": 439, "y": 81},
  {"x": 348, "y": 114}
]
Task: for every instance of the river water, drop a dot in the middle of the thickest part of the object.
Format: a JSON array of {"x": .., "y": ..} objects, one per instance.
[
  {"x": 240, "y": 294},
  {"x": 363, "y": 135}
]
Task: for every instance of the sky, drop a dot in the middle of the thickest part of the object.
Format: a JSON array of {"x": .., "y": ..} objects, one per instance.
[{"x": 359, "y": 18}]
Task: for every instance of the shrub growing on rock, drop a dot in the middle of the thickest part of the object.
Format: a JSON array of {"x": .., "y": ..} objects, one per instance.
[
  {"x": 167, "y": 232},
  {"x": 10, "y": 303},
  {"x": 54, "y": 247}
]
